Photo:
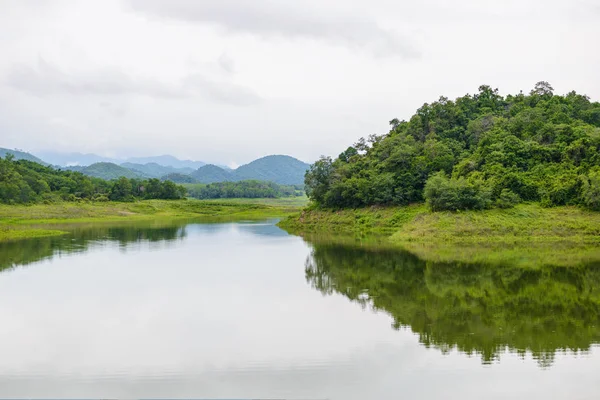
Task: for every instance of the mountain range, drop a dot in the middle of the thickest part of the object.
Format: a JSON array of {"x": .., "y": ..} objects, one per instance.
[
  {"x": 85, "y": 159},
  {"x": 280, "y": 169},
  {"x": 284, "y": 170}
]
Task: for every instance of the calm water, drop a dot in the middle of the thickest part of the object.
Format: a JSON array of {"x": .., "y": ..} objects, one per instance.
[{"x": 244, "y": 310}]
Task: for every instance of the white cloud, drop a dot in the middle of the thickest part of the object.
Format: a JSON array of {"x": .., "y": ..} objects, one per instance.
[
  {"x": 289, "y": 19},
  {"x": 229, "y": 81}
]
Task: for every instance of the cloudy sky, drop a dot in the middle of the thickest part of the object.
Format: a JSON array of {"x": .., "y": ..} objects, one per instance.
[{"x": 228, "y": 81}]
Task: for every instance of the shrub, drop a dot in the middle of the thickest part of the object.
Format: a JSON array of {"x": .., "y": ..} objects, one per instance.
[
  {"x": 590, "y": 191},
  {"x": 507, "y": 199},
  {"x": 442, "y": 194}
]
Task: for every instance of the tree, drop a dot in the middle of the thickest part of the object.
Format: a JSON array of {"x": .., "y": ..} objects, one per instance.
[
  {"x": 121, "y": 190},
  {"x": 542, "y": 88},
  {"x": 317, "y": 179},
  {"x": 591, "y": 190}
]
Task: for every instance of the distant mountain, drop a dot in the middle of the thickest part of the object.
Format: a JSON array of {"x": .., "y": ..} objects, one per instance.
[
  {"x": 81, "y": 159},
  {"x": 284, "y": 170},
  {"x": 74, "y": 159},
  {"x": 211, "y": 173},
  {"x": 21, "y": 155},
  {"x": 167, "y": 161},
  {"x": 108, "y": 171},
  {"x": 154, "y": 170}
]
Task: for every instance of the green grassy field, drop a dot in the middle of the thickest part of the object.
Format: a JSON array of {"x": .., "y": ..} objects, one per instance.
[{"x": 26, "y": 221}]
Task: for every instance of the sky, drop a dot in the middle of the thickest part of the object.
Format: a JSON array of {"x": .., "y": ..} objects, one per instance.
[{"x": 228, "y": 81}]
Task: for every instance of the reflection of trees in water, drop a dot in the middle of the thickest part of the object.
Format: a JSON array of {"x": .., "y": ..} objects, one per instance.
[
  {"x": 24, "y": 252},
  {"x": 478, "y": 309}
]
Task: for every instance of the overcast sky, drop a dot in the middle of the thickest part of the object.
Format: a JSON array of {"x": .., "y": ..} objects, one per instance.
[{"x": 228, "y": 81}]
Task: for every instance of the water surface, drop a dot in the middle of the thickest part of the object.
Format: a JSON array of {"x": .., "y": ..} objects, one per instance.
[{"x": 244, "y": 310}]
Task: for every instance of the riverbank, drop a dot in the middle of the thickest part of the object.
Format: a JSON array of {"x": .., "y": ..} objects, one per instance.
[
  {"x": 40, "y": 220},
  {"x": 526, "y": 234}
]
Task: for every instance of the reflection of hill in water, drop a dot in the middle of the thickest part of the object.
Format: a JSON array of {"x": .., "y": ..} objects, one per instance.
[
  {"x": 24, "y": 252},
  {"x": 80, "y": 239},
  {"x": 479, "y": 309}
]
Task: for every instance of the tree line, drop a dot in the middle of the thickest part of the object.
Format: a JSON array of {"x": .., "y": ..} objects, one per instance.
[
  {"x": 476, "y": 152},
  {"x": 29, "y": 182},
  {"x": 242, "y": 189}
]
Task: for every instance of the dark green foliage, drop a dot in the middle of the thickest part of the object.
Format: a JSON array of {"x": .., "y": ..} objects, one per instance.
[
  {"x": 121, "y": 190},
  {"x": 243, "y": 189},
  {"x": 318, "y": 179},
  {"x": 591, "y": 189},
  {"x": 29, "y": 182},
  {"x": 497, "y": 150},
  {"x": 455, "y": 194},
  {"x": 179, "y": 178},
  {"x": 507, "y": 199}
]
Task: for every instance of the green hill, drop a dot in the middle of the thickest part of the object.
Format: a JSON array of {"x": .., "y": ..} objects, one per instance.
[
  {"x": 478, "y": 151},
  {"x": 108, "y": 171},
  {"x": 284, "y": 170},
  {"x": 167, "y": 160},
  {"x": 21, "y": 155},
  {"x": 211, "y": 173},
  {"x": 155, "y": 170},
  {"x": 26, "y": 181}
]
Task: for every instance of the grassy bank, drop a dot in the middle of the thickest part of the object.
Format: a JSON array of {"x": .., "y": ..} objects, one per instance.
[
  {"x": 528, "y": 233},
  {"x": 27, "y": 221}
]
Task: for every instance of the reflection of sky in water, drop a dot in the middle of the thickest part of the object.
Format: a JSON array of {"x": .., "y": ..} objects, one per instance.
[{"x": 225, "y": 311}]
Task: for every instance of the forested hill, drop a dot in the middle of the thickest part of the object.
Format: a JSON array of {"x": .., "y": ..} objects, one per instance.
[
  {"x": 108, "y": 171},
  {"x": 284, "y": 170},
  {"x": 155, "y": 170},
  {"x": 25, "y": 181},
  {"x": 475, "y": 152},
  {"x": 211, "y": 173},
  {"x": 20, "y": 155}
]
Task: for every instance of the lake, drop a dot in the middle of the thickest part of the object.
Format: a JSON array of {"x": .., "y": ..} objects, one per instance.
[{"x": 245, "y": 310}]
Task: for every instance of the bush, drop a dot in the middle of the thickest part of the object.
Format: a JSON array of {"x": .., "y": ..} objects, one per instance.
[
  {"x": 442, "y": 194},
  {"x": 507, "y": 199},
  {"x": 590, "y": 191},
  {"x": 100, "y": 197}
]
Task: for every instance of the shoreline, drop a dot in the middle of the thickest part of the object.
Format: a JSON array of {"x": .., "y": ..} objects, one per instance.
[
  {"x": 527, "y": 234},
  {"x": 42, "y": 220}
]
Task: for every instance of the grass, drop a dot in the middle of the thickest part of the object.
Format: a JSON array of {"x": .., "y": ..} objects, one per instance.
[
  {"x": 527, "y": 234},
  {"x": 363, "y": 220},
  {"x": 27, "y": 221}
]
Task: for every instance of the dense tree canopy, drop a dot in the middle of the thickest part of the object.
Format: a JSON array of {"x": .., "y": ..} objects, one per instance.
[
  {"x": 242, "y": 189},
  {"x": 475, "y": 152},
  {"x": 28, "y": 182}
]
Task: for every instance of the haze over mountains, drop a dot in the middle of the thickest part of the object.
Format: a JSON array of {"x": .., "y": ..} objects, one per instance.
[
  {"x": 81, "y": 159},
  {"x": 280, "y": 169}
]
